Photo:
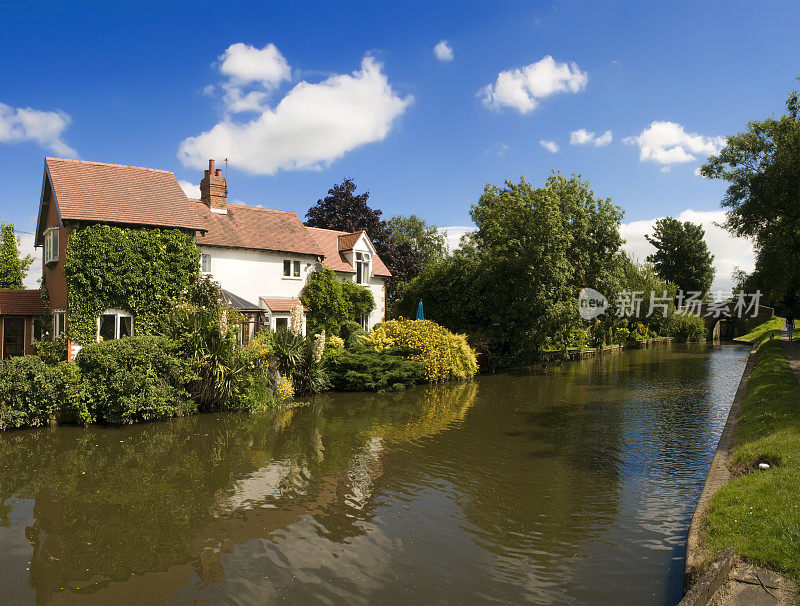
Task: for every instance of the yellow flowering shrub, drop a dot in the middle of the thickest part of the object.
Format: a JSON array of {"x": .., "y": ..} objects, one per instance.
[
  {"x": 446, "y": 355},
  {"x": 284, "y": 389},
  {"x": 335, "y": 342}
]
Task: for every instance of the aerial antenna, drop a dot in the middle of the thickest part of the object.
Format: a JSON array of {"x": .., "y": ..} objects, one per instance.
[{"x": 226, "y": 168}]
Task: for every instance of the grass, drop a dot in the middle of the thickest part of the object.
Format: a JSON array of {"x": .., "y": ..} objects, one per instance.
[
  {"x": 762, "y": 331},
  {"x": 758, "y": 513}
]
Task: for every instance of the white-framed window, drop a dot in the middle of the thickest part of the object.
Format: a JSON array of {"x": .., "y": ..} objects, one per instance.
[
  {"x": 114, "y": 324},
  {"x": 362, "y": 268},
  {"x": 205, "y": 263},
  {"x": 51, "y": 245},
  {"x": 291, "y": 268},
  {"x": 59, "y": 324},
  {"x": 364, "y": 321},
  {"x": 281, "y": 323}
]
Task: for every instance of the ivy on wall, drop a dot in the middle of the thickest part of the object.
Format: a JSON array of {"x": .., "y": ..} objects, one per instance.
[{"x": 138, "y": 270}]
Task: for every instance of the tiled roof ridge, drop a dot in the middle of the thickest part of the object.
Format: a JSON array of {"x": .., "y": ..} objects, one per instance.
[
  {"x": 272, "y": 210},
  {"x": 336, "y": 231},
  {"x": 155, "y": 170}
]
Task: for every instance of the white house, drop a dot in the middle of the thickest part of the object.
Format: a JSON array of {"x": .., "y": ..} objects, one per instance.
[
  {"x": 263, "y": 257},
  {"x": 260, "y": 257}
]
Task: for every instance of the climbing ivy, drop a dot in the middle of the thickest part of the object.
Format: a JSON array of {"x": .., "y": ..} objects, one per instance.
[{"x": 137, "y": 270}]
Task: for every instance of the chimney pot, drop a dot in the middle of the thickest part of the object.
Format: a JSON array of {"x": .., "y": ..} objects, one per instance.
[
  {"x": 219, "y": 172},
  {"x": 210, "y": 167}
]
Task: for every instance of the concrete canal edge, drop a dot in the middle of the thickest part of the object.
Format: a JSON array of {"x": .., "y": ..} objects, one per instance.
[{"x": 697, "y": 556}]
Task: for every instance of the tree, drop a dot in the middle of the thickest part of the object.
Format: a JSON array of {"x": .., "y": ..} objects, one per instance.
[
  {"x": 330, "y": 302},
  {"x": 13, "y": 269},
  {"x": 424, "y": 238},
  {"x": 682, "y": 256},
  {"x": 514, "y": 285},
  {"x": 762, "y": 167},
  {"x": 343, "y": 210}
]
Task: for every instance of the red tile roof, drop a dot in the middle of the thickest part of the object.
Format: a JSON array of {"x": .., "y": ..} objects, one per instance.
[
  {"x": 348, "y": 241},
  {"x": 280, "y": 305},
  {"x": 331, "y": 241},
  {"x": 113, "y": 193},
  {"x": 21, "y": 302},
  {"x": 256, "y": 228}
]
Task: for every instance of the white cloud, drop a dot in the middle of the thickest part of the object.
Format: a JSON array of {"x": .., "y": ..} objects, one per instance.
[
  {"x": 729, "y": 252},
  {"x": 45, "y": 128},
  {"x": 313, "y": 125},
  {"x": 669, "y": 143},
  {"x": 585, "y": 137},
  {"x": 190, "y": 189},
  {"x": 499, "y": 149},
  {"x": 443, "y": 52},
  {"x": 550, "y": 146},
  {"x": 522, "y": 89},
  {"x": 259, "y": 69},
  {"x": 453, "y": 235},
  {"x": 26, "y": 248}
]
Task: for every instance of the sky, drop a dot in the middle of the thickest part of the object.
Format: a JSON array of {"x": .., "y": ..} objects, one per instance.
[{"x": 422, "y": 104}]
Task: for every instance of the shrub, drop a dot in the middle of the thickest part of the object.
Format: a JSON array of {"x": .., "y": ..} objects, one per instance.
[
  {"x": 296, "y": 361},
  {"x": 686, "y": 328},
  {"x": 204, "y": 329},
  {"x": 138, "y": 378},
  {"x": 335, "y": 342},
  {"x": 73, "y": 394},
  {"x": 52, "y": 352},
  {"x": 366, "y": 369},
  {"x": 445, "y": 355},
  {"x": 331, "y": 302},
  {"x": 349, "y": 331},
  {"x": 28, "y": 395}
]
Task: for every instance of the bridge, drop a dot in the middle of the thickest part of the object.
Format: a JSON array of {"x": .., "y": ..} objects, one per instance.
[{"x": 726, "y": 320}]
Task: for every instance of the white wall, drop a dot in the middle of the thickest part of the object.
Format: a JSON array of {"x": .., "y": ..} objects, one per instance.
[{"x": 251, "y": 274}]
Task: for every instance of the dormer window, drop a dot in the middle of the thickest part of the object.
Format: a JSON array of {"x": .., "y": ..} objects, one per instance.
[
  {"x": 51, "y": 245},
  {"x": 362, "y": 268}
]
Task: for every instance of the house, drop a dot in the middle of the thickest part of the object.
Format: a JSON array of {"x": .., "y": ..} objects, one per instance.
[
  {"x": 260, "y": 257},
  {"x": 19, "y": 310}
]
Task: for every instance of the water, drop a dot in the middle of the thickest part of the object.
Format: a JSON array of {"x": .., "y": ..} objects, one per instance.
[{"x": 574, "y": 486}]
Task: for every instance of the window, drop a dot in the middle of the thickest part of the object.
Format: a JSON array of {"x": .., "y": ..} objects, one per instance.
[
  {"x": 291, "y": 269},
  {"x": 362, "y": 268},
  {"x": 365, "y": 321},
  {"x": 281, "y": 324},
  {"x": 51, "y": 245},
  {"x": 114, "y": 324},
  {"x": 58, "y": 324},
  {"x": 205, "y": 263}
]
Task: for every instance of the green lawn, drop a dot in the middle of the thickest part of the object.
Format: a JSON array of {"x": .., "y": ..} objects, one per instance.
[
  {"x": 762, "y": 331},
  {"x": 758, "y": 513}
]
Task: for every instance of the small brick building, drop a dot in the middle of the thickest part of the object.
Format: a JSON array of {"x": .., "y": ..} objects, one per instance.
[{"x": 18, "y": 311}]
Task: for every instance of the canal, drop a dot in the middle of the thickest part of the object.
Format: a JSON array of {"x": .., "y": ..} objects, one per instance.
[{"x": 574, "y": 486}]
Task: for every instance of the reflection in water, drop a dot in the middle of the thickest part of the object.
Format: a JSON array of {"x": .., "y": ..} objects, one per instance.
[{"x": 541, "y": 488}]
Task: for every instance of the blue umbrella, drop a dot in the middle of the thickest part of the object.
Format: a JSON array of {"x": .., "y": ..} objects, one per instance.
[{"x": 420, "y": 315}]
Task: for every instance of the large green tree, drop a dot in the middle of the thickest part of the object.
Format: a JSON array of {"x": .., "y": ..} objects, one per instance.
[
  {"x": 682, "y": 256},
  {"x": 514, "y": 283},
  {"x": 13, "y": 269},
  {"x": 762, "y": 168},
  {"x": 423, "y": 237}
]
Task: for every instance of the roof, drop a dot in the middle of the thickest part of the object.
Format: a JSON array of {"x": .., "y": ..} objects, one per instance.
[
  {"x": 113, "y": 193},
  {"x": 14, "y": 302},
  {"x": 280, "y": 305},
  {"x": 348, "y": 241},
  {"x": 255, "y": 228},
  {"x": 237, "y": 302},
  {"x": 331, "y": 242}
]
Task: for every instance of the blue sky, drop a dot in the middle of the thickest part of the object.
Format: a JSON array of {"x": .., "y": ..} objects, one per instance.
[{"x": 355, "y": 90}]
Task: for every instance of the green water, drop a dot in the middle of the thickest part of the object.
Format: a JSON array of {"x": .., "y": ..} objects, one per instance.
[{"x": 574, "y": 486}]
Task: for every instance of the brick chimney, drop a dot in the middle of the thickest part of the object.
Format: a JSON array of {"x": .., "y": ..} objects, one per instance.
[{"x": 214, "y": 189}]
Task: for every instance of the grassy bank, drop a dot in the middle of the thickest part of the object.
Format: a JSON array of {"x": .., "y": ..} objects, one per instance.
[{"x": 758, "y": 512}]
